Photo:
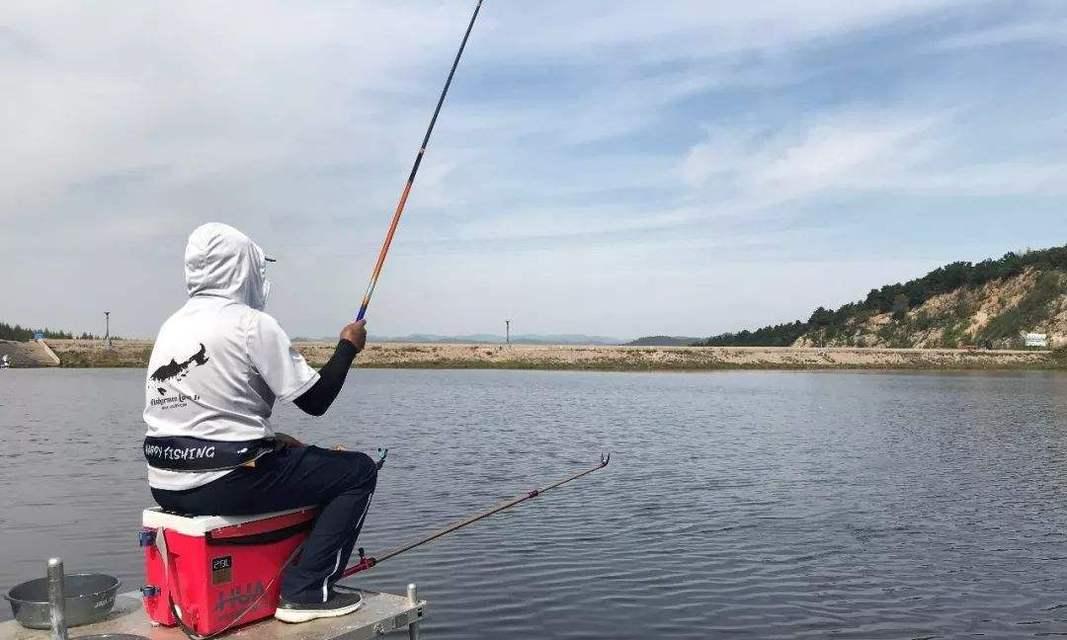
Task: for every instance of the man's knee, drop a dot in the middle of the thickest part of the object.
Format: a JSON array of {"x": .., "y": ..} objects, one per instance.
[
  {"x": 364, "y": 471},
  {"x": 350, "y": 470}
]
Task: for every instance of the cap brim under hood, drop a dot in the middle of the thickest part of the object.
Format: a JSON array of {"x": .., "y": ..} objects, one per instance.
[{"x": 221, "y": 261}]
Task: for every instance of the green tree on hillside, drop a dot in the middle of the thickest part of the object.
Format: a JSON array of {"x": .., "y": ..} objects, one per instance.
[
  {"x": 900, "y": 297},
  {"x": 900, "y": 306}
]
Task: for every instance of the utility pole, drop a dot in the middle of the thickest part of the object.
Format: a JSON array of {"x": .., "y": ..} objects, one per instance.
[
  {"x": 107, "y": 328},
  {"x": 507, "y": 331}
]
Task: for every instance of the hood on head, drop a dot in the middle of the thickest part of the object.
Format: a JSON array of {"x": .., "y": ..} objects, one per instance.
[{"x": 221, "y": 261}]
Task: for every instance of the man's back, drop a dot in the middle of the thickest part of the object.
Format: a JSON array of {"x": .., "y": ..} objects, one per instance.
[
  {"x": 201, "y": 381},
  {"x": 218, "y": 363}
]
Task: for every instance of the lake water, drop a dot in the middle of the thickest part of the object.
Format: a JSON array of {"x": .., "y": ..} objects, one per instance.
[{"x": 737, "y": 505}]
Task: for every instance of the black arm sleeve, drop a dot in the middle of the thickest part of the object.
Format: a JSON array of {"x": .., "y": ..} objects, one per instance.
[{"x": 320, "y": 396}]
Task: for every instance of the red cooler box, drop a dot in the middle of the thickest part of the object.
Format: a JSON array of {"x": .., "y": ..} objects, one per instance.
[{"x": 218, "y": 571}]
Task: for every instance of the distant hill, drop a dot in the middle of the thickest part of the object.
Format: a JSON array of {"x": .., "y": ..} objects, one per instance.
[
  {"x": 663, "y": 341},
  {"x": 986, "y": 304},
  {"x": 486, "y": 338}
]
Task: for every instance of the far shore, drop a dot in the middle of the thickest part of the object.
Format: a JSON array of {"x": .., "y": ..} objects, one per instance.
[{"x": 135, "y": 354}]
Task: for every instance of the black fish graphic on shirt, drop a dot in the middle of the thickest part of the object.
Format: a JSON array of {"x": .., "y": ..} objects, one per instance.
[{"x": 173, "y": 369}]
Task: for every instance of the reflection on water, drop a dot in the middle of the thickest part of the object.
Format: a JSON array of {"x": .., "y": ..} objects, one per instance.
[{"x": 737, "y": 505}]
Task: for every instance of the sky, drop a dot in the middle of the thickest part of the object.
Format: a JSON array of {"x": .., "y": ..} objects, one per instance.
[{"x": 608, "y": 168}]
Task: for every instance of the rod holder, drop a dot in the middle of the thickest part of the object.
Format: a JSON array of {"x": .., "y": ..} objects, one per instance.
[
  {"x": 57, "y": 599},
  {"x": 413, "y": 598}
]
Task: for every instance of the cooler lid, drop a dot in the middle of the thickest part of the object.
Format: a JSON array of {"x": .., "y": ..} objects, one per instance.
[{"x": 226, "y": 526}]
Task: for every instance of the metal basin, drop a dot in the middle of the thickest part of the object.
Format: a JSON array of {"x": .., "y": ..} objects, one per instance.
[{"x": 89, "y": 598}]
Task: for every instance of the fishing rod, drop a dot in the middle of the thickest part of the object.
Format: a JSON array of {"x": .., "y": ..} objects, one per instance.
[
  {"x": 414, "y": 169},
  {"x": 366, "y": 562}
]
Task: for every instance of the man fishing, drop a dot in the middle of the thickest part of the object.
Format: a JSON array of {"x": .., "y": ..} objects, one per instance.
[{"x": 217, "y": 367}]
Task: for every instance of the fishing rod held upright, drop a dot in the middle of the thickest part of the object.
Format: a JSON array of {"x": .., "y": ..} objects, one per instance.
[
  {"x": 414, "y": 169},
  {"x": 367, "y": 562}
]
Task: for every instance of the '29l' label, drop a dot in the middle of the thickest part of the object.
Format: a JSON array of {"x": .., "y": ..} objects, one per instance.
[{"x": 221, "y": 570}]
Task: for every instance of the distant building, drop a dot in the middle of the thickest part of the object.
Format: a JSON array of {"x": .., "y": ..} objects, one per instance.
[{"x": 1035, "y": 340}]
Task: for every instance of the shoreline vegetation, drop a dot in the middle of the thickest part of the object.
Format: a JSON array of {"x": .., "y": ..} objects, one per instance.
[
  {"x": 135, "y": 354},
  {"x": 960, "y": 316}
]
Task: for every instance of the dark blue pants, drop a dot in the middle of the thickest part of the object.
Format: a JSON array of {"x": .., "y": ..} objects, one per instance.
[{"x": 340, "y": 482}]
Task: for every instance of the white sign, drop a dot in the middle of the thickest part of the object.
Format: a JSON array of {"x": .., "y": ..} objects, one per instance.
[{"x": 1035, "y": 339}]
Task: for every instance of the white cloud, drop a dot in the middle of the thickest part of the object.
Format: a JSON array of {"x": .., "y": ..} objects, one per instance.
[
  {"x": 872, "y": 150},
  {"x": 563, "y": 222},
  {"x": 654, "y": 31},
  {"x": 1048, "y": 33},
  {"x": 756, "y": 169},
  {"x": 981, "y": 179},
  {"x": 832, "y": 152}
]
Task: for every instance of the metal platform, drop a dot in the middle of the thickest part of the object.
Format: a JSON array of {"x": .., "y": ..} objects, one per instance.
[{"x": 381, "y": 613}]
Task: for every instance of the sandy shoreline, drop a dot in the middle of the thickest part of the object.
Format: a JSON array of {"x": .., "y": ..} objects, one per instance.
[{"x": 135, "y": 353}]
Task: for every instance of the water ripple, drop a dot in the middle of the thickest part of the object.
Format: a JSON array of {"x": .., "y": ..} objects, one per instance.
[{"x": 739, "y": 504}]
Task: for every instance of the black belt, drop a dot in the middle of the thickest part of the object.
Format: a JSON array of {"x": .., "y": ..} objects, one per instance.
[{"x": 184, "y": 453}]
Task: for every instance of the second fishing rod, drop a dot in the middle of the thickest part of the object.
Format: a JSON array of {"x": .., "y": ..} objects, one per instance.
[{"x": 368, "y": 562}]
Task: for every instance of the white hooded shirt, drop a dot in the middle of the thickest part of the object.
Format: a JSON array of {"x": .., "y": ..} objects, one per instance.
[{"x": 220, "y": 362}]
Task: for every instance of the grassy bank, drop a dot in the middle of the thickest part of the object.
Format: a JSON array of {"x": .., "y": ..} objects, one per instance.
[{"x": 133, "y": 353}]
